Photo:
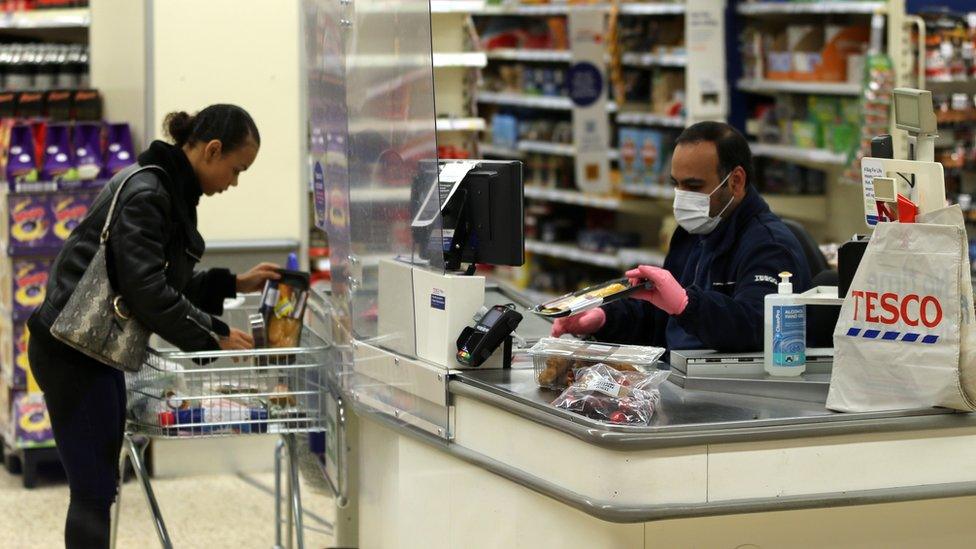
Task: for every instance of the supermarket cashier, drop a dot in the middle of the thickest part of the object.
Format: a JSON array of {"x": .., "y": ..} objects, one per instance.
[{"x": 724, "y": 257}]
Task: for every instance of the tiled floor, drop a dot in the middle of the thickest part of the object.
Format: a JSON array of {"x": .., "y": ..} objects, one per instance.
[{"x": 207, "y": 511}]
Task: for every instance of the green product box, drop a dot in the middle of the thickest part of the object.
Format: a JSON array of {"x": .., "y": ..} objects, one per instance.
[
  {"x": 843, "y": 137},
  {"x": 807, "y": 135},
  {"x": 823, "y": 109},
  {"x": 850, "y": 111}
]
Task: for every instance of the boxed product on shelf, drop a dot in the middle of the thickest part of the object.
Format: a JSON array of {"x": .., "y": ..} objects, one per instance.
[
  {"x": 28, "y": 285},
  {"x": 504, "y": 130},
  {"x": 605, "y": 240},
  {"x": 812, "y": 52},
  {"x": 668, "y": 92},
  {"x": 31, "y": 423},
  {"x": 68, "y": 210},
  {"x": 16, "y": 364},
  {"x": 30, "y": 223},
  {"x": 629, "y": 143}
]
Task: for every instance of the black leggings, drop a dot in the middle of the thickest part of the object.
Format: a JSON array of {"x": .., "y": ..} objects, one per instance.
[{"x": 86, "y": 402}]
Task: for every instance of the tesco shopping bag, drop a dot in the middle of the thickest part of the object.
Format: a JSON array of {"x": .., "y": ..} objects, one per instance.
[{"x": 905, "y": 336}]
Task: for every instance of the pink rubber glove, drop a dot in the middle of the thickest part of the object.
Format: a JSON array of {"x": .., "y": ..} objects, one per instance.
[
  {"x": 581, "y": 324},
  {"x": 667, "y": 294}
]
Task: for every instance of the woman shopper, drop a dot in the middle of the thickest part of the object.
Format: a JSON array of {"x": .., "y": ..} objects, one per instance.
[{"x": 151, "y": 253}]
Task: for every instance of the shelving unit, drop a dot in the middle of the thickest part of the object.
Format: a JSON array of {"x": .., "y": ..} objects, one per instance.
[
  {"x": 24, "y": 424},
  {"x": 456, "y": 62},
  {"x": 831, "y": 216},
  {"x": 651, "y": 199}
]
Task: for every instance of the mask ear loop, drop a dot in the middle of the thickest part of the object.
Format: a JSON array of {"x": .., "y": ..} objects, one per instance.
[{"x": 729, "y": 203}]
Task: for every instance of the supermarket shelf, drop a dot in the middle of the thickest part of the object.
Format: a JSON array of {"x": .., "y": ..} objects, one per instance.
[
  {"x": 572, "y": 197},
  {"x": 545, "y": 147},
  {"x": 540, "y": 55},
  {"x": 489, "y": 149},
  {"x": 460, "y": 124},
  {"x": 654, "y": 191},
  {"x": 623, "y": 259},
  {"x": 798, "y": 154},
  {"x": 539, "y": 147},
  {"x": 532, "y": 101},
  {"x": 462, "y": 59},
  {"x": 783, "y": 86},
  {"x": 561, "y": 8},
  {"x": 660, "y": 8},
  {"x": 650, "y": 119},
  {"x": 799, "y": 207},
  {"x": 456, "y": 6},
  {"x": 956, "y": 117},
  {"x": 820, "y": 7},
  {"x": 572, "y": 253},
  {"x": 394, "y": 194},
  {"x": 47, "y": 19},
  {"x": 634, "y": 59}
]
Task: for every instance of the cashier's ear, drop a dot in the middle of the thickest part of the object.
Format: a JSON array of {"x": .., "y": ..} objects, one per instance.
[
  {"x": 213, "y": 150},
  {"x": 738, "y": 181}
]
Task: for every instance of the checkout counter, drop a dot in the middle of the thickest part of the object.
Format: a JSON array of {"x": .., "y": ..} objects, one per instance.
[{"x": 423, "y": 453}]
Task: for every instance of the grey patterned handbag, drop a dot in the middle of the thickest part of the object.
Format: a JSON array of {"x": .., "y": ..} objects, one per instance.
[{"x": 95, "y": 321}]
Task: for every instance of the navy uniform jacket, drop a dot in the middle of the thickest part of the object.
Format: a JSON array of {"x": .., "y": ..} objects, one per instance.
[{"x": 727, "y": 274}]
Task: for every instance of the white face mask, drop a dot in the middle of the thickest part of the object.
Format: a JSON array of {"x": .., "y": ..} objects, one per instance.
[{"x": 691, "y": 210}]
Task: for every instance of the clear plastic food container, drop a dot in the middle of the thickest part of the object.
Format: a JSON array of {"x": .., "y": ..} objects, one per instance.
[{"x": 556, "y": 359}]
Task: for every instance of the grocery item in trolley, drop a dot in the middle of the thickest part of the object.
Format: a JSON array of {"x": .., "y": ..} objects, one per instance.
[
  {"x": 555, "y": 360},
  {"x": 605, "y": 394},
  {"x": 589, "y": 298},
  {"x": 283, "y": 307}
]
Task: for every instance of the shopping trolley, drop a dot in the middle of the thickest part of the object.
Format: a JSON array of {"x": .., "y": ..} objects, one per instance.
[{"x": 221, "y": 394}]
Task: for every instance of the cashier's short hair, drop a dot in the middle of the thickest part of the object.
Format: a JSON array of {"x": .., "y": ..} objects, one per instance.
[
  {"x": 733, "y": 149},
  {"x": 229, "y": 124}
]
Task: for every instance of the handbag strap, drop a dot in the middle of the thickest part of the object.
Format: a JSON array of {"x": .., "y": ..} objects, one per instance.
[{"x": 118, "y": 192}]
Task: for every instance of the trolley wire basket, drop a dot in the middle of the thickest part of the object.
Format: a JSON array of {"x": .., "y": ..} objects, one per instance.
[
  {"x": 222, "y": 393},
  {"x": 226, "y": 393}
]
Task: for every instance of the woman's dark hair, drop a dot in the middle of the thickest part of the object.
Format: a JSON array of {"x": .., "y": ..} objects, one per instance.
[
  {"x": 733, "y": 149},
  {"x": 229, "y": 124}
]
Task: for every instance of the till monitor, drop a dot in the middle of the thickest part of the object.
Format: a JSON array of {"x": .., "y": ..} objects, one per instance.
[
  {"x": 914, "y": 112},
  {"x": 484, "y": 217}
]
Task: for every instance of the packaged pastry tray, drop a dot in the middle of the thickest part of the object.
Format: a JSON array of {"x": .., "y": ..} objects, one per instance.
[
  {"x": 588, "y": 298},
  {"x": 555, "y": 360}
]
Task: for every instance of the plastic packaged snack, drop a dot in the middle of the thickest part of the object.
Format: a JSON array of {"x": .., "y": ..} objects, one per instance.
[
  {"x": 588, "y": 298},
  {"x": 555, "y": 360},
  {"x": 283, "y": 307},
  {"x": 605, "y": 394}
]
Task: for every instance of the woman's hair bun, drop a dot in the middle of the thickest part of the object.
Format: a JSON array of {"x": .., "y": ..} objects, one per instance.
[{"x": 179, "y": 126}]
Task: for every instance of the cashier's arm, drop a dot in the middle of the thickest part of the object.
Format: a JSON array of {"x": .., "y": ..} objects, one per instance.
[{"x": 735, "y": 323}]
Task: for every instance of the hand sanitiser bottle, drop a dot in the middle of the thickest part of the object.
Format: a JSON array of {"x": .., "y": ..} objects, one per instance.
[{"x": 785, "y": 348}]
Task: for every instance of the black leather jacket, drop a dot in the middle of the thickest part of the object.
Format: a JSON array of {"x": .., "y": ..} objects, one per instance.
[{"x": 153, "y": 248}]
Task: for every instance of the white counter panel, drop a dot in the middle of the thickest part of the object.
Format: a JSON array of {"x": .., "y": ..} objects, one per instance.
[
  {"x": 840, "y": 463},
  {"x": 674, "y": 475}
]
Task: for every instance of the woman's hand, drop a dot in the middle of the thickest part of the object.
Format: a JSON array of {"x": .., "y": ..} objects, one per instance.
[
  {"x": 253, "y": 280},
  {"x": 236, "y": 341}
]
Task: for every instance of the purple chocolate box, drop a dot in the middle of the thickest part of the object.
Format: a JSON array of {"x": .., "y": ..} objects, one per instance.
[
  {"x": 67, "y": 210},
  {"x": 31, "y": 222},
  {"x": 30, "y": 284},
  {"x": 32, "y": 426},
  {"x": 21, "y": 362}
]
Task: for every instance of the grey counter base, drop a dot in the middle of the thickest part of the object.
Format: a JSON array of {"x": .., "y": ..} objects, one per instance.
[{"x": 612, "y": 512}]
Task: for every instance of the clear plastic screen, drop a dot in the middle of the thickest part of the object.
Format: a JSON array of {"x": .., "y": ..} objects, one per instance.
[
  {"x": 373, "y": 149},
  {"x": 373, "y": 144}
]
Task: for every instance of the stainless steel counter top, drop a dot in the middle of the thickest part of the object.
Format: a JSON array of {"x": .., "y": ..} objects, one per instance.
[{"x": 688, "y": 417}]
